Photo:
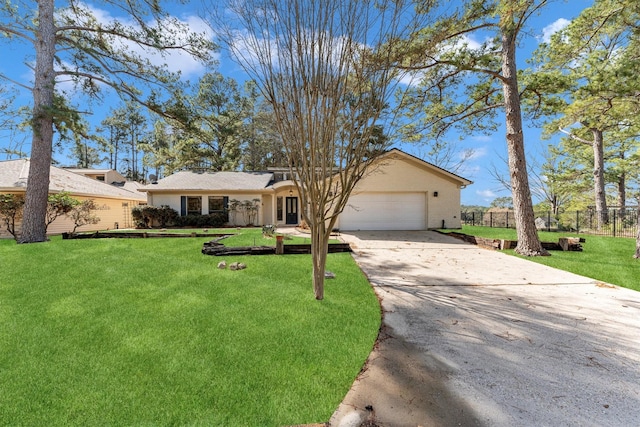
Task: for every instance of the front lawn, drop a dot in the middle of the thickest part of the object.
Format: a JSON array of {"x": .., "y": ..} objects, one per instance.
[
  {"x": 150, "y": 332},
  {"x": 609, "y": 259}
]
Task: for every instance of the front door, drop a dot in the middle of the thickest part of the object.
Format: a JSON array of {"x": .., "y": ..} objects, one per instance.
[{"x": 292, "y": 210}]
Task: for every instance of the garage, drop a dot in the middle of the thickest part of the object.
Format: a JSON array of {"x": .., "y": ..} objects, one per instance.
[{"x": 385, "y": 211}]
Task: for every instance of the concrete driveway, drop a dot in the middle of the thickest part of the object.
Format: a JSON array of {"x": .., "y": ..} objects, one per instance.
[{"x": 476, "y": 337}]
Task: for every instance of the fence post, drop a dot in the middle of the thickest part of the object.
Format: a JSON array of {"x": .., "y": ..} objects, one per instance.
[
  {"x": 473, "y": 218},
  {"x": 614, "y": 223},
  {"x": 548, "y": 220},
  {"x": 491, "y": 219},
  {"x": 577, "y": 222},
  {"x": 507, "y": 219}
]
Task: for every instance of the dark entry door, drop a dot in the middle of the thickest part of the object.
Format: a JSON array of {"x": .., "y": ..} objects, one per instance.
[{"x": 292, "y": 210}]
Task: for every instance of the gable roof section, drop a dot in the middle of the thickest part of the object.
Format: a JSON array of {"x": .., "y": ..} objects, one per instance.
[
  {"x": 14, "y": 174},
  {"x": 212, "y": 181},
  {"x": 256, "y": 181},
  {"x": 395, "y": 153}
]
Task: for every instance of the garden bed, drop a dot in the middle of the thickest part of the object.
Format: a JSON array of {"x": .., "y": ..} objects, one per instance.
[
  {"x": 571, "y": 244},
  {"x": 216, "y": 248},
  {"x": 137, "y": 235}
]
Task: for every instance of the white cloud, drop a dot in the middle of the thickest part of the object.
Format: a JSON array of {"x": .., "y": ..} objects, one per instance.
[
  {"x": 553, "y": 28},
  {"x": 474, "y": 153},
  {"x": 468, "y": 171},
  {"x": 487, "y": 194},
  {"x": 468, "y": 42},
  {"x": 175, "y": 60},
  {"x": 482, "y": 138}
]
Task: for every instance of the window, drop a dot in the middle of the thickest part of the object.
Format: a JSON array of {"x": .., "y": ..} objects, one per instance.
[
  {"x": 194, "y": 205},
  {"x": 279, "y": 209},
  {"x": 218, "y": 204}
]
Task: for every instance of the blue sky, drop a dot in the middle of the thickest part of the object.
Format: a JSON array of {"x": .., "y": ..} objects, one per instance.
[{"x": 489, "y": 151}]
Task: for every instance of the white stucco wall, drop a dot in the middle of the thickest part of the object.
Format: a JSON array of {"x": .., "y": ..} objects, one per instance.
[{"x": 173, "y": 200}]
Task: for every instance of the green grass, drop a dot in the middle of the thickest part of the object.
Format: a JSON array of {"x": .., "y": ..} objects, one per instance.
[
  {"x": 150, "y": 332},
  {"x": 608, "y": 259}
]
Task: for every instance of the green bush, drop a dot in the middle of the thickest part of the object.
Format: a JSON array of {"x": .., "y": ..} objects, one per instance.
[
  {"x": 150, "y": 216},
  {"x": 198, "y": 221}
]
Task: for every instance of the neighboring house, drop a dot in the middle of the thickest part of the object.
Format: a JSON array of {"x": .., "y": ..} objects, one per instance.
[
  {"x": 114, "y": 202},
  {"x": 400, "y": 192},
  {"x": 108, "y": 176}
]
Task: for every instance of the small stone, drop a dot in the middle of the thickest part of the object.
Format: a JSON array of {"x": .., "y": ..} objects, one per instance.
[
  {"x": 329, "y": 275},
  {"x": 222, "y": 265},
  {"x": 233, "y": 266},
  {"x": 241, "y": 266}
]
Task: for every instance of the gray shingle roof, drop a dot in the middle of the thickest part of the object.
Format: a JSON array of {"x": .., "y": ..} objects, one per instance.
[
  {"x": 212, "y": 181},
  {"x": 14, "y": 174}
]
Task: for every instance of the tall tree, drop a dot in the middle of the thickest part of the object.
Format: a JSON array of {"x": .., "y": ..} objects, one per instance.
[
  {"x": 219, "y": 111},
  {"x": 9, "y": 122},
  {"x": 114, "y": 136},
  {"x": 262, "y": 146},
  {"x": 462, "y": 85},
  {"x": 320, "y": 65},
  {"x": 157, "y": 148},
  {"x": 94, "y": 54},
  {"x": 584, "y": 80},
  {"x": 135, "y": 124},
  {"x": 72, "y": 131}
]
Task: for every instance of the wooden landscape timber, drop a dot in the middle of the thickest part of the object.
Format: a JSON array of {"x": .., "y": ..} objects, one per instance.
[
  {"x": 218, "y": 249},
  {"x": 137, "y": 235},
  {"x": 564, "y": 243}
]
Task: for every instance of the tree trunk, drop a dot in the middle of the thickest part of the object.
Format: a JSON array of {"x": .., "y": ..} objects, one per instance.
[
  {"x": 319, "y": 249},
  {"x": 598, "y": 178},
  {"x": 528, "y": 240},
  {"x": 637, "y": 254},
  {"x": 622, "y": 194},
  {"x": 622, "y": 184},
  {"x": 35, "y": 208}
]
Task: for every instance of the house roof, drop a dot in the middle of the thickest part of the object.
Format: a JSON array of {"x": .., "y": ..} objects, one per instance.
[
  {"x": 84, "y": 171},
  {"x": 430, "y": 166},
  {"x": 257, "y": 181},
  {"x": 216, "y": 181},
  {"x": 14, "y": 174}
]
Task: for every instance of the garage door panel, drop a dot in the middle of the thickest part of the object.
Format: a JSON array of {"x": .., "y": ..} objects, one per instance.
[{"x": 385, "y": 211}]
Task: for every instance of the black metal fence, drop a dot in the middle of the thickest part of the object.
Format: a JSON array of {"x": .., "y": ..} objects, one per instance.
[{"x": 616, "y": 222}]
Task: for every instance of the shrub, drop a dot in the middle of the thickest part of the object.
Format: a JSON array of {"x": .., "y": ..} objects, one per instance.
[
  {"x": 138, "y": 217},
  {"x": 148, "y": 216},
  {"x": 59, "y": 204},
  {"x": 11, "y": 208},
  {"x": 166, "y": 216},
  {"x": 248, "y": 209},
  {"x": 82, "y": 214},
  {"x": 197, "y": 221}
]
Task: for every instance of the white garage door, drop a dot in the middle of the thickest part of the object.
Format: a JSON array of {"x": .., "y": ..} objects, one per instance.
[{"x": 385, "y": 211}]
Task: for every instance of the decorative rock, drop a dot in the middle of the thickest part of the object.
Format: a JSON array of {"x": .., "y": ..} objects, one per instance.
[
  {"x": 329, "y": 275},
  {"x": 237, "y": 266},
  {"x": 222, "y": 265}
]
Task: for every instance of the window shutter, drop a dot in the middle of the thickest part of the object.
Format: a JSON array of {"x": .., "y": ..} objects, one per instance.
[
  {"x": 225, "y": 202},
  {"x": 183, "y": 205}
]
